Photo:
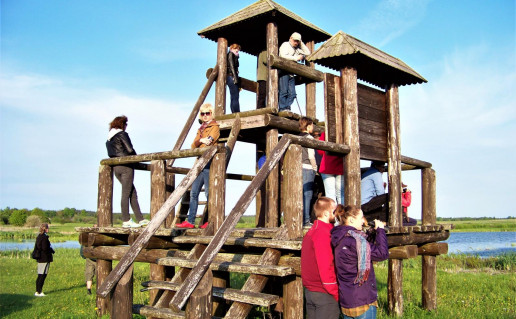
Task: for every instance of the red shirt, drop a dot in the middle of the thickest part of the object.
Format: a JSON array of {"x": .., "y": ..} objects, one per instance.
[
  {"x": 317, "y": 265},
  {"x": 332, "y": 165}
]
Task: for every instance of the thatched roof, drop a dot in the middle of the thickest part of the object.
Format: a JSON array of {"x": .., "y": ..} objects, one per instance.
[
  {"x": 248, "y": 27},
  {"x": 373, "y": 66}
]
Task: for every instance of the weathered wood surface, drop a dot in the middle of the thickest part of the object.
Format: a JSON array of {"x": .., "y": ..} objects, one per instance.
[
  {"x": 415, "y": 162},
  {"x": 394, "y": 156},
  {"x": 244, "y": 242},
  {"x": 156, "y": 312},
  {"x": 320, "y": 145},
  {"x": 195, "y": 111},
  {"x": 104, "y": 219},
  {"x": 256, "y": 283},
  {"x": 254, "y": 298},
  {"x": 155, "y": 223},
  {"x": 395, "y": 287},
  {"x": 293, "y": 298},
  {"x": 245, "y": 84},
  {"x": 272, "y": 48},
  {"x": 429, "y": 282},
  {"x": 122, "y": 302},
  {"x": 220, "y": 86},
  {"x": 229, "y": 224},
  {"x": 310, "y": 87},
  {"x": 292, "y": 204},
  {"x": 248, "y": 122},
  {"x": 244, "y": 114},
  {"x": 433, "y": 249},
  {"x": 195, "y": 152},
  {"x": 330, "y": 102},
  {"x": 296, "y": 68},
  {"x": 416, "y": 238},
  {"x": 272, "y": 187},
  {"x": 155, "y": 242},
  {"x": 200, "y": 305},
  {"x": 217, "y": 190},
  {"x": 266, "y": 270},
  {"x": 106, "y": 240},
  {"x": 403, "y": 252},
  {"x": 349, "y": 120},
  {"x": 428, "y": 190}
]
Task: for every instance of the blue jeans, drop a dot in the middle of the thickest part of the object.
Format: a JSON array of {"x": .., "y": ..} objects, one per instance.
[
  {"x": 369, "y": 314},
  {"x": 334, "y": 187},
  {"x": 308, "y": 191},
  {"x": 287, "y": 91},
  {"x": 202, "y": 179},
  {"x": 234, "y": 92}
]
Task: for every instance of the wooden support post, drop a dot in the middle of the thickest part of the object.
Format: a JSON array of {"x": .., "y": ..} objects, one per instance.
[
  {"x": 104, "y": 219},
  {"x": 293, "y": 188},
  {"x": 293, "y": 297},
  {"x": 429, "y": 263},
  {"x": 272, "y": 48},
  {"x": 395, "y": 282},
  {"x": 170, "y": 186},
  {"x": 261, "y": 196},
  {"x": 403, "y": 252},
  {"x": 310, "y": 87},
  {"x": 229, "y": 224},
  {"x": 272, "y": 186},
  {"x": 220, "y": 87},
  {"x": 433, "y": 249},
  {"x": 122, "y": 304},
  {"x": 352, "y": 176},
  {"x": 199, "y": 305},
  {"x": 158, "y": 192},
  {"x": 105, "y": 288}
]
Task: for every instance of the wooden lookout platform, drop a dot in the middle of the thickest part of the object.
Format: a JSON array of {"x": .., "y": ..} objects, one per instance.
[{"x": 189, "y": 269}]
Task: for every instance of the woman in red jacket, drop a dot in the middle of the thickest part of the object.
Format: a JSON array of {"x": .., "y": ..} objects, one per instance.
[{"x": 332, "y": 170}]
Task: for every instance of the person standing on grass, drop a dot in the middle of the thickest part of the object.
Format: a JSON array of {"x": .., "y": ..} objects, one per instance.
[
  {"x": 46, "y": 257},
  {"x": 355, "y": 252},
  {"x": 207, "y": 135},
  {"x": 119, "y": 144},
  {"x": 317, "y": 264}
]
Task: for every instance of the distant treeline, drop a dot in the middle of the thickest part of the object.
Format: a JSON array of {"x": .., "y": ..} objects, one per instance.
[
  {"x": 447, "y": 219},
  {"x": 36, "y": 216}
]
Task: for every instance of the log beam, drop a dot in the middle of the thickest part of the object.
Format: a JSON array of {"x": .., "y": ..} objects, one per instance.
[
  {"x": 433, "y": 249},
  {"x": 403, "y": 252},
  {"x": 296, "y": 68}
]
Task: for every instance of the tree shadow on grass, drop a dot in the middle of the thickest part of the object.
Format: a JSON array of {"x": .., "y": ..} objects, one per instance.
[{"x": 10, "y": 303}]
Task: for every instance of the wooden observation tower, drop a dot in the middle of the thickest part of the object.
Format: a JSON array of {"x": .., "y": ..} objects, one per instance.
[{"x": 189, "y": 269}]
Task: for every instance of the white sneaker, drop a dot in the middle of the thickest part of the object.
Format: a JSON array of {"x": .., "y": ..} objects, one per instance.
[
  {"x": 144, "y": 222},
  {"x": 42, "y": 294},
  {"x": 130, "y": 224},
  {"x": 39, "y": 295}
]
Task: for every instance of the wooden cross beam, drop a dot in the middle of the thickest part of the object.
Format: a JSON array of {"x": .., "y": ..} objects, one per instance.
[
  {"x": 115, "y": 275},
  {"x": 228, "y": 225}
]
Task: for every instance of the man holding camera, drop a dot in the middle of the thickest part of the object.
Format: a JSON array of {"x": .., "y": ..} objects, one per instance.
[{"x": 295, "y": 50}]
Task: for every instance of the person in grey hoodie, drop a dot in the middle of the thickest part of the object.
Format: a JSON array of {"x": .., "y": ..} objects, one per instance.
[
  {"x": 119, "y": 144},
  {"x": 354, "y": 253}
]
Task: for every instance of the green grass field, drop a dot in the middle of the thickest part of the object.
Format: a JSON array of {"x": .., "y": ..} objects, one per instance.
[{"x": 467, "y": 287}]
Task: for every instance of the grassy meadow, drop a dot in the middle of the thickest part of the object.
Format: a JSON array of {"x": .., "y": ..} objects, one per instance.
[{"x": 468, "y": 286}]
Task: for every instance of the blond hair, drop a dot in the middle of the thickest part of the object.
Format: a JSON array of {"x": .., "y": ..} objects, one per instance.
[{"x": 207, "y": 107}]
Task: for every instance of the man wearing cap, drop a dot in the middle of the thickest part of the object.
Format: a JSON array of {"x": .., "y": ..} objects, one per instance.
[
  {"x": 372, "y": 182},
  {"x": 295, "y": 50}
]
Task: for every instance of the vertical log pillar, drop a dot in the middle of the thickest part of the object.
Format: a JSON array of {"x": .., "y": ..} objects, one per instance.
[
  {"x": 395, "y": 285},
  {"x": 429, "y": 264},
  {"x": 170, "y": 186},
  {"x": 122, "y": 303},
  {"x": 216, "y": 214},
  {"x": 310, "y": 87},
  {"x": 104, "y": 219},
  {"x": 272, "y": 184},
  {"x": 199, "y": 304},
  {"x": 272, "y": 48},
  {"x": 293, "y": 188},
  {"x": 293, "y": 212},
  {"x": 352, "y": 176},
  {"x": 220, "y": 87},
  {"x": 260, "y": 196},
  {"x": 158, "y": 193}
]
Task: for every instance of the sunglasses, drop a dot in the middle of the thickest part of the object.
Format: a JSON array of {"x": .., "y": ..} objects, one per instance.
[{"x": 205, "y": 113}]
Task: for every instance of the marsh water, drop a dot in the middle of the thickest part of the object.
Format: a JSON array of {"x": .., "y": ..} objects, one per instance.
[{"x": 483, "y": 244}]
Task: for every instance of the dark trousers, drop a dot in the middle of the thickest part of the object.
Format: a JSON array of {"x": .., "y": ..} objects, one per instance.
[
  {"x": 39, "y": 282},
  {"x": 125, "y": 176},
  {"x": 234, "y": 92},
  {"x": 321, "y": 306},
  {"x": 262, "y": 94}
]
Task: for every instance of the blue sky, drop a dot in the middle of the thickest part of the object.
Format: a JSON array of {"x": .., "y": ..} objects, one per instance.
[{"x": 68, "y": 67}]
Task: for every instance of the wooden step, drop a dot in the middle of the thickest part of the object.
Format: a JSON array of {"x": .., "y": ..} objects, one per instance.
[
  {"x": 165, "y": 313},
  {"x": 253, "y": 298},
  {"x": 266, "y": 270}
]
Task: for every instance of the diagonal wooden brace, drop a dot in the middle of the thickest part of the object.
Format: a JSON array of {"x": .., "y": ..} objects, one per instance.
[
  {"x": 228, "y": 225},
  {"x": 128, "y": 259}
]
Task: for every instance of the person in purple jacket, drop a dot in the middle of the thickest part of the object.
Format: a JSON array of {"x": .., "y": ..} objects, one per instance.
[{"x": 355, "y": 252}]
